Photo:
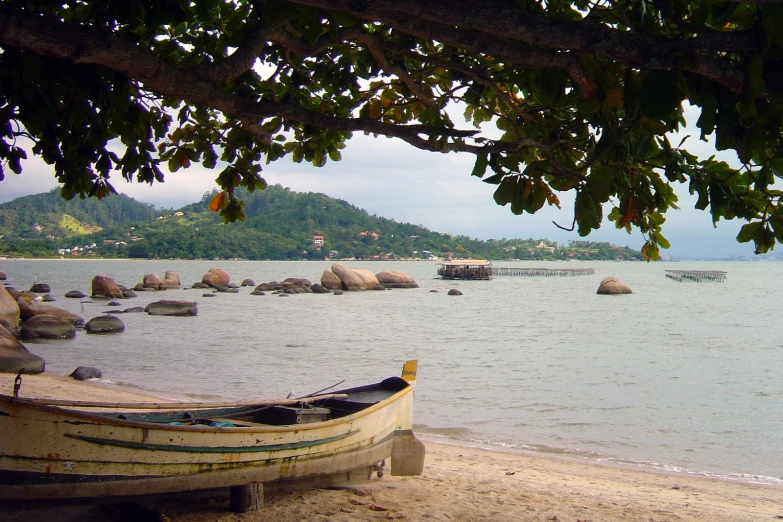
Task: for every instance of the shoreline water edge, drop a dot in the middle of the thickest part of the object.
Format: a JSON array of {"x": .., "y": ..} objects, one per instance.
[
  {"x": 459, "y": 483},
  {"x": 677, "y": 377}
]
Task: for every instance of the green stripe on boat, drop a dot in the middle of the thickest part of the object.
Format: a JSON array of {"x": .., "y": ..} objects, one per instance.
[{"x": 212, "y": 449}]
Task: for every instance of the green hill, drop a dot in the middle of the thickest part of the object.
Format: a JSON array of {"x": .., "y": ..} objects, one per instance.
[
  {"x": 48, "y": 214},
  {"x": 281, "y": 224}
]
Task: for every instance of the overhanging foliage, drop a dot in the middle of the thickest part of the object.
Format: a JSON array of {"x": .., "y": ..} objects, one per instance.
[{"x": 584, "y": 94}]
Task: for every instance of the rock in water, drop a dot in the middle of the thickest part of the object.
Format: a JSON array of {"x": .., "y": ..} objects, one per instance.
[
  {"x": 172, "y": 308},
  {"x": 350, "y": 280},
  {"x": 29, "y": 308},
  {"x": 40, "y": 288},
  {"x": 104, "y": 324},
  {"x": 151, "y": 281},
  {"x": 9, "y": 309},
  {"x": 82, "y": 373},
  {"x": 395, "y": 279},
  {"x": 14, "y": 357},
  {"x": 47, "y": 327},
  {"x": 103, "y": 285},
  {"x": 613, "y": 286},
  {"x": 216, "y": 277},
  {"x": 331, "y": 281}
]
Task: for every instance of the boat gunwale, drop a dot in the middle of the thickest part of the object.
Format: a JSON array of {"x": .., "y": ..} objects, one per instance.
[{"x": 103, "y": 419}]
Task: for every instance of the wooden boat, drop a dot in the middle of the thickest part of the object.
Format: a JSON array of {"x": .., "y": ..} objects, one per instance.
[{"x": 52, "y": 449}]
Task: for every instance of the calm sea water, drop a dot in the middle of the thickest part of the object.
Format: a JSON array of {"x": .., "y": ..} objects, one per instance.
[{"x": 683, "y": 377}]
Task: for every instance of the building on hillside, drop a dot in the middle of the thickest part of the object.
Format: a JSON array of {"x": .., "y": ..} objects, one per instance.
[{"x": 369, "y": 233}]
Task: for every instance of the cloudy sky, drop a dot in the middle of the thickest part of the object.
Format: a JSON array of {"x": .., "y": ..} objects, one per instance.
[{"x": 391, "y": 179}]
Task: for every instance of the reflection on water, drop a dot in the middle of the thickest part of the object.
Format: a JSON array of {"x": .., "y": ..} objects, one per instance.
[{"x": 679, "y": 376}]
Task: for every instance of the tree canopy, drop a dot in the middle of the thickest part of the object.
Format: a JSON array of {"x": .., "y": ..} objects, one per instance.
[{"x": 557, "y": 96}]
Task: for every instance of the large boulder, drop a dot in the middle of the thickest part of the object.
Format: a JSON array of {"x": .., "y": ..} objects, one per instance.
[
  {"x": 613, "y": 286},
  {"x": 104, "y": 324},
  {"x": 30, "y": 307},
  {"x": 151, "y": 281},
  {"x": 104, "y": 286},
  {"x": 175, "y": 308},
  {"x": 9, "y": 309},
  {"x": 394, "y": 279},
  {"x": 216, "y": 277},
  {"x": 14, "y": 357},
  {"x": 2, "y": 276},
  {"x": 82, "y": 373},
  {"x": 296, "y": 285},
  {"x": 47, "y": 327},
  {"x": 41, "y": 288},
  {"x": 171, "y": 279},
  {"x": 331, "y": 280},
  {"x": 351, "y": 281},
  {"x": 368, "y": 277}
]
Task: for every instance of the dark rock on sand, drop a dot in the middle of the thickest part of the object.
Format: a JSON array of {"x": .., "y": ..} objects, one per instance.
[
  {"x": 454, "y": 291},
  {"x": 75, "y": 294}
]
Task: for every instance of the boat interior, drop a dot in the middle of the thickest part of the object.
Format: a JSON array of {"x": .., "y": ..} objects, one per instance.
[{"x": 354, "y": 400}]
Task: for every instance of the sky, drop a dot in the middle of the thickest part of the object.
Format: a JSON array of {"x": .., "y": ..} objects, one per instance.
[{"x": 391, "y": 179}]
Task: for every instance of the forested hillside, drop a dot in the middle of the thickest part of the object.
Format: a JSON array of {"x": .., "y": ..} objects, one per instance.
[
  {"x": 48, "y": 214},
  {"x": 281, "y": 224}
]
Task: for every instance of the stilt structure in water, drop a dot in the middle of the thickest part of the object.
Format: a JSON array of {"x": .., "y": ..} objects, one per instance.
[
  {"x": 696, "y": 275},
  {"x": 466, "y": 269},
  {"x": 542, "y": 272}
]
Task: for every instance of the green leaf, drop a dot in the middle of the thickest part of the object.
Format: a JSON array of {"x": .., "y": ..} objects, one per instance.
[
  {"x": 480, "y": 167},
  {"x": 748, "y": 232},
  {"x": 659, "y": 95}
]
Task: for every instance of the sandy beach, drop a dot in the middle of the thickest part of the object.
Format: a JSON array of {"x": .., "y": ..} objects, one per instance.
[{"x": 459, "y": 484}]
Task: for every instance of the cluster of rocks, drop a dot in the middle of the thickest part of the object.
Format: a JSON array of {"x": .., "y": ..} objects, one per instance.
[{"x": 25, "y": 315}]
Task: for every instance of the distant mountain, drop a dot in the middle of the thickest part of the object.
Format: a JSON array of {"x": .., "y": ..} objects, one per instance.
[
  {"x": 281, "y": 224},
  {"x": 48, "y": 214}
]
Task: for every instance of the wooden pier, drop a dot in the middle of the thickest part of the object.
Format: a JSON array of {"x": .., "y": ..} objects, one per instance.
[
  {"x": 696, "y": 275},
  {"x": 542, "y": 272}
]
